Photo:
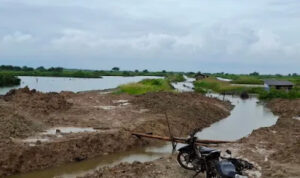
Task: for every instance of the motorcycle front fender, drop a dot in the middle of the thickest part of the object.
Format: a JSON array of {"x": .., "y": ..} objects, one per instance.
[{"x": 186, "y": 149}]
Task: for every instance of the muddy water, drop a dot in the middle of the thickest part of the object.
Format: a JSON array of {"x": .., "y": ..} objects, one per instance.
[
  {"x": 246, "y": 116},
  {"x": 81, "y": 168},
  {"x": 185, "y": 86},
  {"x": 58, "y": 84}
]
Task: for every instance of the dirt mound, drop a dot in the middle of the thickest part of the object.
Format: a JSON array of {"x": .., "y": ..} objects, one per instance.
[
  {"x": 17, "y": 126},
  {"x": 37, "y": 101},
  {"x": 114, "y": 116},
  {"x": 276, "y": 148},
  {"x": 187, "y": 110},
  {"x": 285, "y": 107},
  {"x": 162, "y": 168}
]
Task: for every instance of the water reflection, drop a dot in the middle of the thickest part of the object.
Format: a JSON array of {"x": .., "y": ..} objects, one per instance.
[
  {"x": 88, "y": 166},
  {"x": 246, "y": 116},
  {"x": 58, "y": 84}
]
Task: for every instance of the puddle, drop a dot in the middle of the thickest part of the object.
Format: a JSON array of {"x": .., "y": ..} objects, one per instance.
[
  {"x": 297, "y": 118},
  {"x": 72, "y": 170},
  {"x": 119, "y": 102},
  {"x": 106, "y": 107},
  {"x": 66, "y": 130},
  {"x": 53, "y": 133}
]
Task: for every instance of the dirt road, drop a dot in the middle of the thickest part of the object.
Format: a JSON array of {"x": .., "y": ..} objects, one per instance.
[{"x": 27, "y": 144}]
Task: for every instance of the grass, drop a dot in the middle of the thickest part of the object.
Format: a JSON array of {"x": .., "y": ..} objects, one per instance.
[
  {"x": 175, "y": 77},
  {"x": 247, "y": 80},
  {"x": 257, "y": 79},
  {"x": 145, "y": 86},
  {"x": 216, "y": 85},
  {"x": 273, "y": 93},
  {"x": 9, "y": 80}
]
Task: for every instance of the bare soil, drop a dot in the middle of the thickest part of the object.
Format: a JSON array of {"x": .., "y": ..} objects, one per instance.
[
  {"x": 275, "y": 151},
  {"x": 26, "y": 113}
]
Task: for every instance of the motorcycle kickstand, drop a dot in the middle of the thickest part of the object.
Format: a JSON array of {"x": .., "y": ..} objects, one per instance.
[{"x": 197, "y": 172}]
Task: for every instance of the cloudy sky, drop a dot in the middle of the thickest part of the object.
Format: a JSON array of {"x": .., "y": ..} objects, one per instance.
[{"x": 236, "y": 36}]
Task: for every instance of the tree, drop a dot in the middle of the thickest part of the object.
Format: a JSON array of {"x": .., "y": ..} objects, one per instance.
[
  {"x": 254, "y": 74},
  {"x": 56, "y": 69},
  {"x": 115, "y": 69},
  {"x": 25, "y": 68},
  {"x": 136, "y": 71},
  {"x": 145, "y": 71},
  {"x": 41, "y": 68},
  {"x": 164, "y": 71}
]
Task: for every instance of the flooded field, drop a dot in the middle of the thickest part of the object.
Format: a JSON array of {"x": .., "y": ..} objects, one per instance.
[
  {"x": 245, "y": 117},
  {"x": 58, "y": 84}
]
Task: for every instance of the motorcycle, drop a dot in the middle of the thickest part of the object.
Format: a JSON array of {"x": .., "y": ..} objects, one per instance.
[{"x": 209, "y": 161}]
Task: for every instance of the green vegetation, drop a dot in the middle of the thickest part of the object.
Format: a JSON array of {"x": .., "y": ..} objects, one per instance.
[
  {"x": 273, "y": 93},
  {"x": 218, "y": 86},
  {"x": 175, "y": 77},
  {"x": 145, "y": 86},
  {"x": 256, "y": 78},
  {"x": 51, "y": 72},
  {"x": 9, "y": 80}
]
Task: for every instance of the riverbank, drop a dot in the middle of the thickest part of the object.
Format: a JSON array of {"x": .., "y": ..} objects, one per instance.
[
  {"x": 273, "y": 150},
  {"x": 100, "y": 123}
]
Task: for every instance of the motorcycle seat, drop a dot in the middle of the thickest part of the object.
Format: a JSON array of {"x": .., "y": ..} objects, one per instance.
[{"x": 206, "y": 150}]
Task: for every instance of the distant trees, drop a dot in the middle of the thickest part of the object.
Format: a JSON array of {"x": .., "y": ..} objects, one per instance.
[
  {"x": 115, "y": 69},
  {"x": 41, "y": 68},
  {"x": 25, "y": 68},
  {"x": 10, "y": 67},
  {"x": 55, "y": 69},
  {"x": 254, "y": 74},
  {"x": 145, "y": 71}
]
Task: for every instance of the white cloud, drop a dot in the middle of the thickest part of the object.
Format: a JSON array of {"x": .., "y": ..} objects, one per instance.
[
  {"x": 17, "y": 37},
  {"x": 171, "y": 32}
]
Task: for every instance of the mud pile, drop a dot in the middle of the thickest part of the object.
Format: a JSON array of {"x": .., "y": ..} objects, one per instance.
[
  {"x": 17, "y": 126},
  {"x": 186, "y": 111},
  {"x": 162, "y": 168},
  {"x": 285, "y": 107},
  {"x": 37, "y": 101}
]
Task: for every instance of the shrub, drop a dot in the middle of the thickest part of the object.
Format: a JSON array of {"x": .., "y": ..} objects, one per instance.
[{"x": 145, "y": 86}]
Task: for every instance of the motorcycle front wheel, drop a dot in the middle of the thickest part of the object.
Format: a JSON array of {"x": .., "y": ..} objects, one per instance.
[{"x": 183, "y": 158}]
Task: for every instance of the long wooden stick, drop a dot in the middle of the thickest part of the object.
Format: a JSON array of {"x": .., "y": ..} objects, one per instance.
[{"x": 179, "y": 140}]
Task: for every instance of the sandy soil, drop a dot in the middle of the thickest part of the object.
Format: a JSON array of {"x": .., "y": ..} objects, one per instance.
[
  {"x": 25, "y": 114},
  {"x": 274, "y": 151}
]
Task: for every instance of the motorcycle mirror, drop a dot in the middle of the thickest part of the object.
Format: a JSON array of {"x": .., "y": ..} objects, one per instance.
[{"x": 228, "y": 152}]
